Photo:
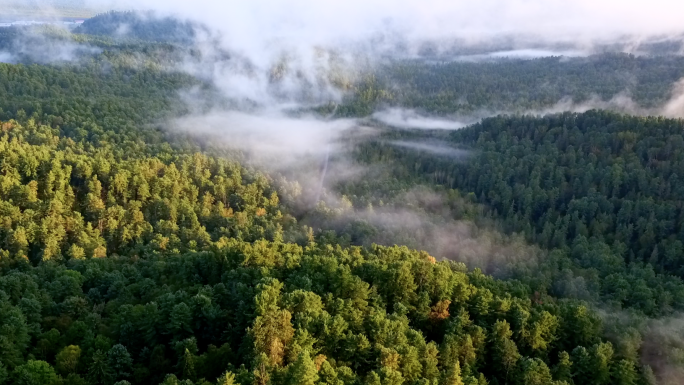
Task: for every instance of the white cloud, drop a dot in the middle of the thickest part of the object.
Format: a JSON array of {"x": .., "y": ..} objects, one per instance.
[
  {"x": 400, "y": 118},
  {"x": 246, "y": 23}
]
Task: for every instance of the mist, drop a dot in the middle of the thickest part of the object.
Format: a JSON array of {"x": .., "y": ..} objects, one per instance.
[
  {"x": 307, "y": 21},
  {"x": 524, "y": 54},
  {"x": 622, "y": 102},
  {"x": 675, "y": 106},
  {"x": 277, "y": 60},
  {"x": 309, "y": 52},
  {"x": 663, "y": 349},
  {"x": 400, "y": 118},
  {"x": 44, "y": 45},
  {"x": 266, "y": 136},
  {"x": 432, "y": 148}
]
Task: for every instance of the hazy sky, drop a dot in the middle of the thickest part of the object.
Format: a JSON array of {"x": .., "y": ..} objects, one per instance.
[{"x": 329, "y": 20}]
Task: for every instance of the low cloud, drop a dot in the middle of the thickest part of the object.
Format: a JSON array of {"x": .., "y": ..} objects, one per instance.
[
  {"x": 438, "y": 149},
  {"x": 6, "y": 57},
  {"x": 248, "y": 24},
  {"x": 400, "y": 118},
  {"x": 524, "y": 54},
  {"x": 675, "y": 106},
  {"x": 622, "y": 102},
  {"x": 43, "y": 45},
  {"x": 427, "y": 220},
  {"x": 266, "y": 135},
  {"x": 663, "y": 349},
  {"x": 310, "y": 52}
]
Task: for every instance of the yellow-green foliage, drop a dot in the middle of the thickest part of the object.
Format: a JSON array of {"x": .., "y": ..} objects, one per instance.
[{"x": 62, "y": 200}]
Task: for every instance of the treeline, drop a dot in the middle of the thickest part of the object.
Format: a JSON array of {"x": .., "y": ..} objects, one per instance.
[
  {"x": 137, "y": 25},
  {"x": 470, "y": 88}
]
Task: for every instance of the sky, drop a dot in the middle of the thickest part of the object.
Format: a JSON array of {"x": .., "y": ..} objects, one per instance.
[{"x": 327, "y": 21}]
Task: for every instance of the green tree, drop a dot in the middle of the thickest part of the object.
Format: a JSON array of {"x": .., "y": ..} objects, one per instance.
[
  {"x": 623, "y": 372},
  {"x": 601, "y": 358},
  {"x": 328, "y": 375},
  {"x": 120, "y": 362},
  {"x": 171, "y": 379},
  {"x": 226, "y": 378},
  {"x": 14, "y": 336},
  {"x": 3, "y": 373},
  {"x": 272, "y": 329},
  {"x": 431, "y": 362},
  {"x": 562, "y": 371},
  {"x": 533, "y": 371},
  {"x": 453, "y": 375},
  {"x": 186, "y": 364},
  {"x": 35, "y": 373},
  {"x": 74, "y": 379},
  {"x": 99, "y": 371},
  {"x": 67, "y": 360},
  {"x": 303, "y": 371},
  {"x": 504, "y": 351}
]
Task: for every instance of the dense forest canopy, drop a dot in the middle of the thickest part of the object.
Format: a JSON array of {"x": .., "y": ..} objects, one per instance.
[
  {"x": 516, "y": 84},
  {"x": 129, "y": 270},
  {"x": 599, "y": 187},
  {"x": 132, "y": 256}
]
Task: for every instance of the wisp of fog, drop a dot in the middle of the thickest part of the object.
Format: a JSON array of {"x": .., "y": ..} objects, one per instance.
[
  {"x": 433, "y": 148},
  {"x": 400, "y": 118}
]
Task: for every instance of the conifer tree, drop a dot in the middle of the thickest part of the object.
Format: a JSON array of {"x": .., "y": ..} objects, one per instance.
[
  {"x": 99, "y": 371},
  {"x": 120, "y": 362},
  {"x": 226, "y": 378},
  {"x": 453, "y": 375},
  {"x": 623, "y": 373},
  {"x": 303, "y": 370},
  {"x": 562, "y": 371}
]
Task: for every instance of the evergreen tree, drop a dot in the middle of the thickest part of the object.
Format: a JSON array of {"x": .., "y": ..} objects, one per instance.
[
  {"x": 120, "y": 362},
  {"x": 503, "y": 350},
  {"x": 562, "y": 371},
  {"x": 226, "y": 378},
  {"x": 533, "y": 371},
  {"x": 99, "y": 371},
  {"x": 272, "y": 330},
  {"x": 453, "y": 375},
  {"x": 623, "y": 373},
  {"x": 303, "y": 371}
]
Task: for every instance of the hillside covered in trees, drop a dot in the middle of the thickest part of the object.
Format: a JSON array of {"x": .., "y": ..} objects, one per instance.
[
  {"x": 180, "y": 269},
  {"x": 600, "y": 188},
  {"x": 466, "y": 88},
  {"x": 133, "y": 25},
  {"x": 129, "y": 255}
]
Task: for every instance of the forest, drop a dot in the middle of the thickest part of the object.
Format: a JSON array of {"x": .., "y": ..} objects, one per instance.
[
  {"x": 470, "y": 90},
  {"x": 132, "y": 255},
  {"x": 461, "y": 87},
  {"x": 186, "y": 270},
  {"x": 598, "y": 188}
]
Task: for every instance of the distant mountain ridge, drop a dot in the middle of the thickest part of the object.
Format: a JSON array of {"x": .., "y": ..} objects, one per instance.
[{"x": 139, "y": 25}]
